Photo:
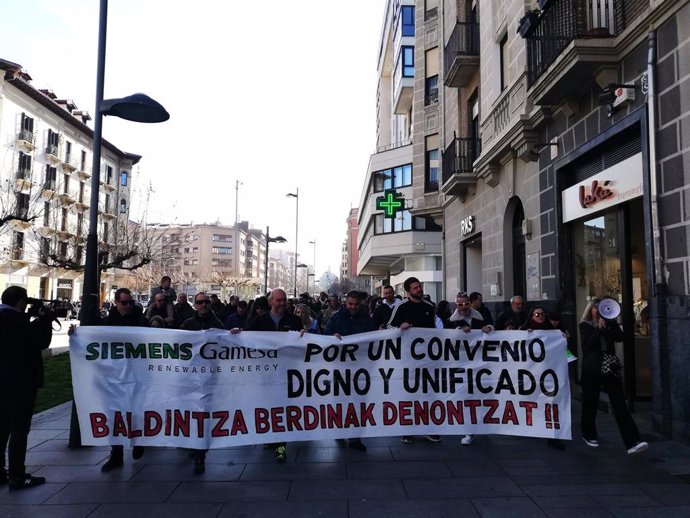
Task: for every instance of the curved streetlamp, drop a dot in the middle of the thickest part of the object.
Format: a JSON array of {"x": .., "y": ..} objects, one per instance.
[
  {"x": 269, "y": 239},
  {"x": 295, "y": 195},
  {"x": 137, "y": 108}
]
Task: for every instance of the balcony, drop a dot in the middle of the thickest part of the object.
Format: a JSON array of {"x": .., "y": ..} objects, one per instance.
[
  {"x": 83, "y": 174},
  {"x": 26, "y": 140},
  {"x": 461, "y": 54},
  {"x": 80, "y": 206},
  {"x": 23, "y": 181},
  {"x": 381, "y": 251},
  {"x": 66, "y": 198},
  {"x": 52, "y": 154},
  {"x": 571, "y": 40},
  {"x": 48, "y": 191},
  {"x": 458, "y": 174},
  {"x": 20, "y": 224},
  {"x": 46, "y": 231},
  {"x": 69, "y": 165},
  {"x": 109, "y": 186}
]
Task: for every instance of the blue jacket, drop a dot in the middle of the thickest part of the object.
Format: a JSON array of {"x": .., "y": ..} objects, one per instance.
[{"x": 343, "y": 323}]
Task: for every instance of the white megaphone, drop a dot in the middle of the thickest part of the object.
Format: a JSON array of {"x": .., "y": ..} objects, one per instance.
[{"x": 609, "y": 309}]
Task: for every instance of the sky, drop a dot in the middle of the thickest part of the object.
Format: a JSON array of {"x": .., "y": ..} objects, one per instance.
[{"x": 278, "y": 95}]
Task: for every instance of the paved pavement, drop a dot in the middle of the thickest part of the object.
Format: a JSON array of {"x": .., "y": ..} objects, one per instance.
[{"x": 495, "y": 477}]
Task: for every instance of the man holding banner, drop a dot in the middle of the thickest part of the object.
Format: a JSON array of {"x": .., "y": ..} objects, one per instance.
[
  {"x": 415, "y": 311},
  {"x": 278, "y": 319},
  {"x": 351, "y": 320}
]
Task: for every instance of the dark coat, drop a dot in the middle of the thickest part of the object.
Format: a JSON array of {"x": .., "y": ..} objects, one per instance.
[
  {"x": 235, "y": 320},
  {"x": 594, "y": 341},
  {"x": 21, "y": 343},
  {"x": 183, "y": 311},
  {"x": 134, "y": 319},
  {"x": 509, "y": 315},
  {"x": 531, "y": 324},
  {"x": 344, "y": 323},
  {"x": 196, "y": 323},
  {"x": 417, "y": 314},
  {"x": 264, "y": 322}
]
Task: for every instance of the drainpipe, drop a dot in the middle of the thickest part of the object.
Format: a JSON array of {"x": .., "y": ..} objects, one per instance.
[{"x": 658, "y": 321}]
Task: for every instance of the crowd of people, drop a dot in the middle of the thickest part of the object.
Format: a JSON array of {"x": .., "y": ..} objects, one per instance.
[{"x": 326, "y": 314}]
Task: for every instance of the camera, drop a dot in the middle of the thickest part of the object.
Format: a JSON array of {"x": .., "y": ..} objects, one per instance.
[{"x": 35, "y": 307}]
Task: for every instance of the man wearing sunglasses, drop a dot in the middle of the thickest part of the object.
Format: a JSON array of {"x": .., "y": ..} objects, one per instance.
[
  {"x": 204, "y": 318},
  {"x": 125, "y": 313},
  {"x": 467, "y": 318}
]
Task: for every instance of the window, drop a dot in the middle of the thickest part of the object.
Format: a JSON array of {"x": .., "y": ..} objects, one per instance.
[
  {"x": 108, "y": 174},
  {"x": 80, "y": 254},
  {"x": 51, "y": 178},
  {"x": 45, "y": 249},
  {"x": 504, "y": 62},
  {"x": 27, "y": 128},
  {"x": 53, "y": 141},
  {"x": 222, "y": 250},
  {"x": 82, "y": 165},
  {"x": 407, "y": 57},
  {"x": 106, "y": 206},
  {"x": 64, "y": 249},
  {"x": 46, "y": 214},
  {"x": 68, "y": 152},
  {"x": 124, "y": 177},
  {"x": 17, "y": 245},
  {"x": 81, "y": 192},
  {"x": 24, "y": 169},
  {"x": 431, "y": 91},
  {"x": 400, "y": 176},
  {"x": 65, "y": 184},
  {"x": 80, "y": 224},
  {"x": 23, "y": 203},
  {"x": 407, "y": 20},
  {"x": 431, "y": 165},
  {"x": 65, "y": 217},
  {"x": 123, "y": 206},
  {"x": 226, "y": 238}
]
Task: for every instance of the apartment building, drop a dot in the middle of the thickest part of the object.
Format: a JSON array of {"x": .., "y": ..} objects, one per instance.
[
  {"x": 217, "y": 258},
  {"x": 408, "y": 244},
  {"x": 45, "y": 169}
]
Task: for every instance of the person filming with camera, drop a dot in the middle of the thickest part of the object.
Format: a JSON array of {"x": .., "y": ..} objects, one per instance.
[
  {"x": 601, "y": 368},
  {"x": 21, "y": 375}
]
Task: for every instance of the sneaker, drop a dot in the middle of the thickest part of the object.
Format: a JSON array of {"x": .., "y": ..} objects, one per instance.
[
  {"x": 280, "y": 454},
  {"x": 357, "y": 444},
  {"x": 592, "y": 443},
  {"x": 467, "y": 440},
  {"x": 639, "y": 447},
  {"x": 407, "y": 439},
  {"x": 26, "y": 482},
  {"x": 199, "y": 465},
  {"x": 433, "y": 438},
  {"x": 137, "y": 452},
  {"x": 113, "y": 463}
]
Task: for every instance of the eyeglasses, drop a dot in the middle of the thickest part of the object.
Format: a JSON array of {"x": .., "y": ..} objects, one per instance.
[
  {"x": 538, "y": 314},
  {"x": 125, "y": 302},
  {"x": 463, "y": 304},
  {"x": 204, "y": 301}
]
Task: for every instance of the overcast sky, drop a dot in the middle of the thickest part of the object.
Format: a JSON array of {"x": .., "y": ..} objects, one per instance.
[{"x": 276, "y": 94}]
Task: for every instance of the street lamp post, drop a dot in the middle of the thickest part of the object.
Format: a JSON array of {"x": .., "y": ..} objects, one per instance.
[
  {"x": 137, "y": 108},
  {"x": 269, "y": 239},
  {"x": 314, "y": 285},
  {"x": 295, "y": 195}
]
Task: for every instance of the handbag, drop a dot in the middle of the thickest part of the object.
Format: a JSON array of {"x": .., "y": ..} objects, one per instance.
[{"x": 610, "y": 365}]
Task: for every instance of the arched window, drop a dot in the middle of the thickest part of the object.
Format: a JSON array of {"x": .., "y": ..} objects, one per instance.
[
  {"x": 123, "y": 206},
  {"x": 124, "y": 178}
]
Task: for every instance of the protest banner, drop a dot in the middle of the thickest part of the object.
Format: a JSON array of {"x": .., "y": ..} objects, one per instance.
[{"x": 214, "y": 389}]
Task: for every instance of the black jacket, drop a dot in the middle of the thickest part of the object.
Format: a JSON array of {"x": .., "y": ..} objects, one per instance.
[
  {"x": 135, "y": 318},
  {"x": 183, "y": 311},
  {"x": 196, "y": 323},
  {"x": 417, "y": 314},
  {"x": 264, "y": 322},
  {"x": 508, "y": 315},
  {"x": 594, "y": 341},
  {"x": 21, "y": 343}
]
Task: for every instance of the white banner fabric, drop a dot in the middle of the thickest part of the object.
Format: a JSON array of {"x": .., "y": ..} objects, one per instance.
[{"x": 213, "y": 389}]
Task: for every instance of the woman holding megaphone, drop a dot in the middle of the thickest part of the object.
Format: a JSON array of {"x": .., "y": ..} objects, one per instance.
[{"x": 601, "y": 368}]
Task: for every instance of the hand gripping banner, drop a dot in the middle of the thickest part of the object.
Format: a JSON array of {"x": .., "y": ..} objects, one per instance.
[{"x": 213, "y": 389}]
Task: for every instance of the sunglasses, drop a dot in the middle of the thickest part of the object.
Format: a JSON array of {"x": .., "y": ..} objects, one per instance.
[
  {"x": 205, "y": 301},
  {"x": 463, "y": 304},
  {"x": 126, "y": 302}
]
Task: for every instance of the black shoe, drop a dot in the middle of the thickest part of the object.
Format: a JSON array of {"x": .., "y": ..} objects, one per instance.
[
  {"x": 26, "y": 482},
  {"x": 137, "y": 452},
  {"x": 113, "y": 463},
  {"x": 555, "y": 443},
  {"x": 357, "y": 444},
  {"x": 3, "y": 477}
]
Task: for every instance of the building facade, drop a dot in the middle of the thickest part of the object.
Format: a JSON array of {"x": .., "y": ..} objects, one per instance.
[
  {"x": 408, "y": 244},
  {"x": 45, "y": 169}
]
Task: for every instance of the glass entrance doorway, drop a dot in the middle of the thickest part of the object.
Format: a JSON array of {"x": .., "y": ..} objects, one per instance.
[{"x": 609, "y": 261}]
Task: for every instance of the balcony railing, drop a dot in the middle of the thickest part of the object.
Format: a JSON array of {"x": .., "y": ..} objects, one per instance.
[
  {"x": 23, "y": 173},
  {"x": 395, "y": 145},
  {"x": 563, "y": 21},
  {"x": 52, "y": 150},
  {"x": 27, "y": 136},
  {"x": 459, "y": 157},
  {"x": 462, "y": 44}
]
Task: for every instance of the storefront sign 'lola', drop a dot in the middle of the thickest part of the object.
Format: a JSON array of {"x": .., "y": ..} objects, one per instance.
[{"x": 598, "y": 192}]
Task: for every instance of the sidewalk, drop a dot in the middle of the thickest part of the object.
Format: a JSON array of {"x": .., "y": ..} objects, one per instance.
[{"x": 495, "y": 477}]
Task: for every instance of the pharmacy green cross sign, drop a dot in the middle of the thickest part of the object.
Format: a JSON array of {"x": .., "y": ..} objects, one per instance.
[{"x": 390, "y": 203}]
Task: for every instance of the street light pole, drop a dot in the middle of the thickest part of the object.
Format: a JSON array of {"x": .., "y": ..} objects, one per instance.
[
  {"x": 137, "y": 108},
  {"x": 269, "y": 239},
  {"x": 314, "y": 243},
  {"x": 295, "y": 195}
]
